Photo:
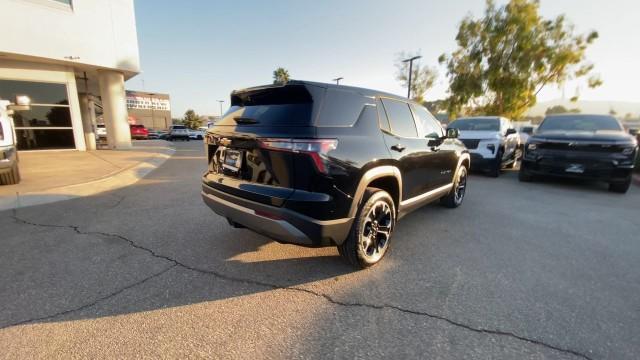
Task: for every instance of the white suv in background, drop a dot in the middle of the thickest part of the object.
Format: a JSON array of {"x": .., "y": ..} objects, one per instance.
[{"x": 492, "y": 141}]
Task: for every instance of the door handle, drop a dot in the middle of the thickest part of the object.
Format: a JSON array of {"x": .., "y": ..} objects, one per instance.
[{"x": 398, "y": 147}]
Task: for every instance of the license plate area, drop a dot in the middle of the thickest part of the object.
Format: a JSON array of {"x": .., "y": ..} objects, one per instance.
[
  {"x": 232, "y": 160},
  {"x": 575, "y": 169}
]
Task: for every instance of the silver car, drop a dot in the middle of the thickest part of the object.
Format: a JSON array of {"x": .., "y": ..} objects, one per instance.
[{"x": 492, "y": 141}]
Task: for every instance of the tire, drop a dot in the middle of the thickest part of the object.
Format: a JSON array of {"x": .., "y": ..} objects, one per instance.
[
  {"x": 524, "y": 175},
  {"x": 494, "y": 170},
  {"x": 362, "y": 249},
  {"x": 621, "y": 187},
  {"x": 12, "y": 177},
  {"x": 456, "y": 196}
]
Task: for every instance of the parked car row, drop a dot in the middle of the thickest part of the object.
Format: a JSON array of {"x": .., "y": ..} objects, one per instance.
[{"x": 140, "y": 132}]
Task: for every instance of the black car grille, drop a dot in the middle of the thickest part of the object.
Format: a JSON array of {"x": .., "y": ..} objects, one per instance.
[
  {"x": 470, "y": 143},
  {"x": 580, "y": 147}
]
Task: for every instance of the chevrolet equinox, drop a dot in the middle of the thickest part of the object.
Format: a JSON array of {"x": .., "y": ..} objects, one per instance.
[{"x": 326, "y": 165}]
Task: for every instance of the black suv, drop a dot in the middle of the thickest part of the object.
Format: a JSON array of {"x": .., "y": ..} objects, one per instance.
[
  {"x": 593, "y": 147},
  {"x": 325, "y": 165}
]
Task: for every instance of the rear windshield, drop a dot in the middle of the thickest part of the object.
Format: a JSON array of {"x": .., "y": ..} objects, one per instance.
[
  {"x": 138, "y": 126},
  {"x": 477, "y": 124},
  {"x": 272, "y": 106},
  {"x": 178, "y": 127},
  {"x": 580, "y": 123}
]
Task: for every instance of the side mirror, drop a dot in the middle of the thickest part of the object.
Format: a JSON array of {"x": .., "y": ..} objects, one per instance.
[
  {"x": 453, "y": 133},
  {"x": 511, "y": 131}
]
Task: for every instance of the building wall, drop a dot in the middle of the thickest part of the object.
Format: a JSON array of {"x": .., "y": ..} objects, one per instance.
[
  {"x": 152, "y": 110},
  {"x": 94, "y": 32}
]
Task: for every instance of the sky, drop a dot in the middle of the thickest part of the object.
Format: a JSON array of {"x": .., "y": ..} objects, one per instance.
[{"x": 198, "y": 51}]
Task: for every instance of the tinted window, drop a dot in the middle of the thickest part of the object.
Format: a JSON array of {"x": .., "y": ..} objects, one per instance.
[
  {"x": 43, "y": 116},
  {"x": 40, "y": 93},
  {"x": 476, "y": 124},
  {"x": 400, "y": 118},
  {"x": 268, "y": 115},
  {"x": 427, "y": 123},
  {"x": 37, "y": 139},
  {"x": 137, "y": 126},
  {"x": 580, "y": 123},
  {"x": 341, "y": 108},
  {"x": 178, "y": 127},
  {"x": 382, "y": 117}
]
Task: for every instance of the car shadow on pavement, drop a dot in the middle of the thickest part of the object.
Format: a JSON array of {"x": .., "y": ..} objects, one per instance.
[{"x": 69, "y": 260}]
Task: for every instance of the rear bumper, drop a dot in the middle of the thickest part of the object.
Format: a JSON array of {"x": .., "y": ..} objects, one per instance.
[
  {"x": 280, "y": 224},
  {"x": 8, "y": 157}
]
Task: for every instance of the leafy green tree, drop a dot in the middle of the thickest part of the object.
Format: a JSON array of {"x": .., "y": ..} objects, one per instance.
[
  {"x": 507, "y": 57},
  {"x": 192, "y": 120},
  {"x": 559, "y": 109},
  {"x": 422, "y": 77},
  {"x": 281, "y": 76}
]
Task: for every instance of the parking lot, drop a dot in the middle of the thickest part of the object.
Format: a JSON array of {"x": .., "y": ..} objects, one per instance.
[{"x": 540, "y": 270}]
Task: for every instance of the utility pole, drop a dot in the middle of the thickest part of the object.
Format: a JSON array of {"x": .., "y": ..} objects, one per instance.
[
  {"x": 337, "y": 80},
  {"x": 410, "y": 61},
  {"x": 153, "y": 111},
  {"x": 221, "y": 102}
]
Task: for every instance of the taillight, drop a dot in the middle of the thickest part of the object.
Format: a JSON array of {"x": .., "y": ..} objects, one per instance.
[{"x": 317, "y": 149}]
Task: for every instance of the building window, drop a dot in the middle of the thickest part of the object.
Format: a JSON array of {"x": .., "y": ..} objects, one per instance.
[{"x": 47, "y": 125}]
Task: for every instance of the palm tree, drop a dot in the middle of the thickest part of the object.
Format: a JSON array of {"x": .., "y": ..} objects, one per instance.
[{"x": 281, "y": 76}]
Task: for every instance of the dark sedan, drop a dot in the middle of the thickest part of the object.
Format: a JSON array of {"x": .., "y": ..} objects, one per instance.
[{"x": 593, "y": 147}]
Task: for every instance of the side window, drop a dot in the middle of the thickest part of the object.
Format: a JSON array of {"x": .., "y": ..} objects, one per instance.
[
  {"x": 382, "y": 117},
  {"x": 400, "y": 118},
  {"x": 428, "y": 125},
  {"x": 341, "y": 108}
]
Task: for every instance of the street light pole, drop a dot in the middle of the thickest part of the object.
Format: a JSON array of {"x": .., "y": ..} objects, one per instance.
[
  {"x": 337, "y": 80},
  {"x": 410, "y": 61},
  {"x": 221, "y": 102}
]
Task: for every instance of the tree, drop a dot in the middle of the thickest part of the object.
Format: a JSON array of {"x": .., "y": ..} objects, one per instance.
[
  {"x": 559, "y": 109},
  {"x": 422, "y": 78},
  {"x": 192, "y": 120},
  {"x": 281, "y": 76},
  {"x": 506, "y": 58}
]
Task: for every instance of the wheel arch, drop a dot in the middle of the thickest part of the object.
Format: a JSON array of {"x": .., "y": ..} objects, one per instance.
[{"x": 386, "y": 177}]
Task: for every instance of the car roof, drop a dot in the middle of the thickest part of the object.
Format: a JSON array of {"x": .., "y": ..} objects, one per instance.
[
  {"x": 362, "y": 91},
  {"x": 480, "y": 117}
]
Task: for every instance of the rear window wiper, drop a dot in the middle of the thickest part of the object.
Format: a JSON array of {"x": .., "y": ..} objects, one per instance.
[{"x": 245, "y": 120}]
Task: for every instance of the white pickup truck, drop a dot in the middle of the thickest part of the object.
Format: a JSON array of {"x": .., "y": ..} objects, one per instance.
[{"x": 9, "y": 172}]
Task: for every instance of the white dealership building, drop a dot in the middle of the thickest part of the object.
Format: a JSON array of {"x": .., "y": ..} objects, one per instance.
[{"x": 71, "y": 57}]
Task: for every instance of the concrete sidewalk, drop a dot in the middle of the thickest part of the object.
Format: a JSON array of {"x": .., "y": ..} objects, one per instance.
[{"x": 50, "y": 176}]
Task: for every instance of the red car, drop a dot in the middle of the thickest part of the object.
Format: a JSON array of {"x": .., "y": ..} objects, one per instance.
[{"x": 139, "y": 132}]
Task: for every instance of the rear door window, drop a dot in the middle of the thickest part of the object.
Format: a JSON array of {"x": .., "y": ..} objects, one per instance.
[{"x": 400, "y": 118}]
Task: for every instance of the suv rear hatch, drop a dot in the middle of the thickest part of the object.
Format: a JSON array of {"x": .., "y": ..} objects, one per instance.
[{"x": 266, "y": 136}]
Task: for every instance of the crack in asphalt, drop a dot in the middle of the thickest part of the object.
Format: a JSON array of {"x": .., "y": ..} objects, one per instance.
[
  {"x": 93, "y": 303},
  {"x": 175, "y": 263}
]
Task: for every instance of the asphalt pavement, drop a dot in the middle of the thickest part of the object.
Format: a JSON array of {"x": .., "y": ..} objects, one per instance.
[{"x": 520, "y": 271}]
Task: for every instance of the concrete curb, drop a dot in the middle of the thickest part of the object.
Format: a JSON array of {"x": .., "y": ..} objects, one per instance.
[{"x": 120, "y": 179}]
